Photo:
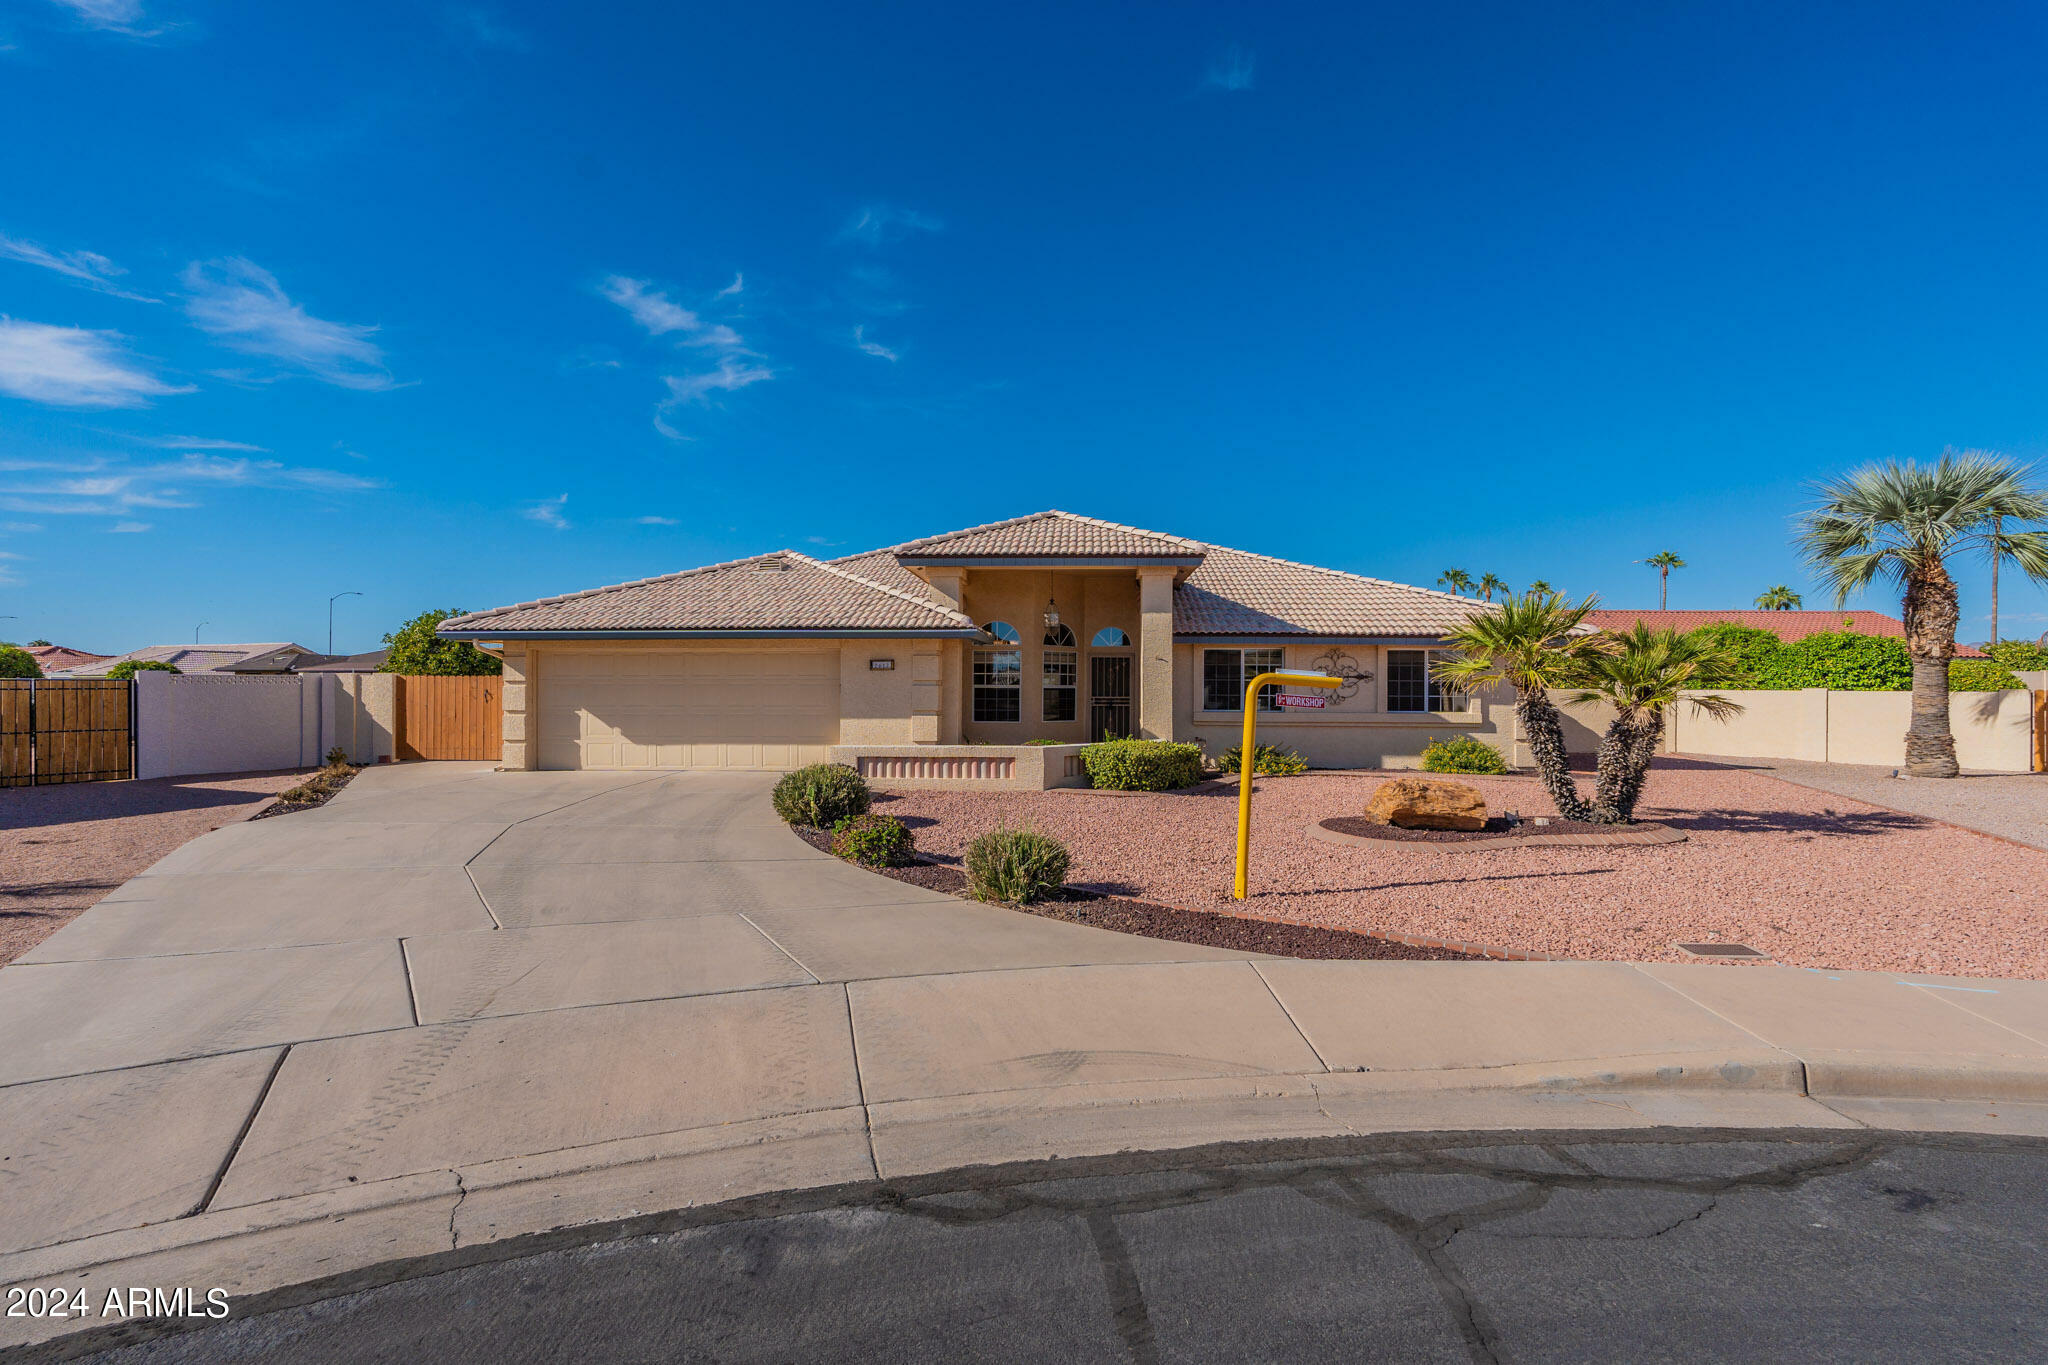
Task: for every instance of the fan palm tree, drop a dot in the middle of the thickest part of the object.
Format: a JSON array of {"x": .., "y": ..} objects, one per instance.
[
  {"x": 1531, "y": 643},
  {"x": 1903, "y": 521},
  {"x": 1642, "y": 676},
  {"x": 1491, "y": 583},
  {"x": 1456, "y": 580},
  {"x": 1664, "y": 561},
  {"x": 1778, "y": 597},
  {"x": 1543, "y": 586}
]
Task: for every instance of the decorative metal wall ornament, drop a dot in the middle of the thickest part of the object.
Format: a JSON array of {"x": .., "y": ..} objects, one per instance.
[{"x": 1338, "y": 664}]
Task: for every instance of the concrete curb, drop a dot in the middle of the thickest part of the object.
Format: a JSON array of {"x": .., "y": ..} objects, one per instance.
[{"x": 306, "y": 1247}]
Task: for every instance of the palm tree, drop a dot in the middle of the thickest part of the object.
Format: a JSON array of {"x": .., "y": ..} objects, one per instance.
[
  {"x": 1642, "y": 676},
  {"x": 1778, "y": 597},
  {"x": 1902, "y": 520},
  {"x": 1664, "y": 561},
  {"x": 1541, "y": 585},
  {"x": 1491, "y": 583},
  {"x": 1457, "y": 580},
  {"x": 1531, "y": 643}
]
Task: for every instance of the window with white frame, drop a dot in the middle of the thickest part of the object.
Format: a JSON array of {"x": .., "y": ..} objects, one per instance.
[
  {"x": 1413, "y": 684},
  {"x": 998, "y": 684},
  {"x": 1110, "y": 637},
  {"x": 1062, "y": 677},
  {"x": 1225, "y": 672}
]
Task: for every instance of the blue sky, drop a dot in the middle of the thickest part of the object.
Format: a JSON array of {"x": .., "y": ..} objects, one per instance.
[{"x": 457, "y": 305}]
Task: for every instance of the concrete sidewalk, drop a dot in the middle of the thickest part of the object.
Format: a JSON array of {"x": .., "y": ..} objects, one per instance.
[{"x": 456, "y": 1008}]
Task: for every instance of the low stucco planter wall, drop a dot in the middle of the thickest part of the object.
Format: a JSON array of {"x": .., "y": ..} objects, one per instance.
[{"x": 967, "y": 767}]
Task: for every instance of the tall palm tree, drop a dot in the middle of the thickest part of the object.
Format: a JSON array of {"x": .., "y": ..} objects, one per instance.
[
  {"x": 1902, "y": 521},
  {"x": 1778, "y": 597},
  {"x": 1542, "y": 585},
  {"x": 1457, "y": 580},
  {"x": 1664, "y": 561},
  {"x": 1531, "y": 643},
  {"x": 1642, "y": 676},
  {"x": 1491, "y": 583}
]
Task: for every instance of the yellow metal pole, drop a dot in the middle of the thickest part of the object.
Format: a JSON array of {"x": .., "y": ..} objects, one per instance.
[{"x": 1244, "y": 761}]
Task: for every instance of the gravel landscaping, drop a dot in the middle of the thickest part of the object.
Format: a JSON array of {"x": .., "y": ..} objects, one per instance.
[
  {"x": 64, "y": 847},
  {"x": 1807, "y": 877}
]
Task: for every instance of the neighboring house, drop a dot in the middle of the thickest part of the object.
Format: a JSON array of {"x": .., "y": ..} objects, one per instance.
[
  {"x": 1048, "y": 627},
  {"x": 341, "y": 663},
  {"x": 271, "y": 658},
  {"x": 54, "y": 657},
  {"x": 1786, "y": 625}
]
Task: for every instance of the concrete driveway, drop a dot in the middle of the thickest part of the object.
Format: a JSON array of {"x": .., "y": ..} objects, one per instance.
[{"x": 456, "y": 1008}]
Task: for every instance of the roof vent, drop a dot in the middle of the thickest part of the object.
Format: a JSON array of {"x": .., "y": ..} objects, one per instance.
[{"x": 771, "y": 566}]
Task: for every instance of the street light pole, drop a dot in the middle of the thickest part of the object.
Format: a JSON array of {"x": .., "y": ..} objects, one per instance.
[
  {"x": 330, "y": 616},
  {"x": 196, "y": 629}
]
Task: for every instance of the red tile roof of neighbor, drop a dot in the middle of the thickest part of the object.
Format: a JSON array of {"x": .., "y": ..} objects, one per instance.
[
  {"x": 63, "y": 656},
  {"x": 1786, "y": 625},
  {"x": 1228, "y": 593}
]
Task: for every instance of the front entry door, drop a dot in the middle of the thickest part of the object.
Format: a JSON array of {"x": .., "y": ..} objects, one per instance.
[{"x": 1109, "y": 695}]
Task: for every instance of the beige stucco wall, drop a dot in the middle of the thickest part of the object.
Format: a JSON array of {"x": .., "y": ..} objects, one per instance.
[
  {"x": 237, "y": 723},
  {"x": 1088, "y": 602},
  {"x": 1352, "y": 732}
]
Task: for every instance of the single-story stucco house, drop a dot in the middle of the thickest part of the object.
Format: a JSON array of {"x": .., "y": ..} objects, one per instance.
[{"x": 943, "y": 658}]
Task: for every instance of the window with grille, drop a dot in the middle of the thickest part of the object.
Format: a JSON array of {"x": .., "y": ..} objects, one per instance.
[
  {"x": 1062, "y": 678},
  {"x": 1413, "y": 684},
  {"x": 1226, "y": 671},
  {"x": 998, "y": 684}
]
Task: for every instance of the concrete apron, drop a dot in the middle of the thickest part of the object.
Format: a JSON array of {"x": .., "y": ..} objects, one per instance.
[{"x": 542, "y": 1097}]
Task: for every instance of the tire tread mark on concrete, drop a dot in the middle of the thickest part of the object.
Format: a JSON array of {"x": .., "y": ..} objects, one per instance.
[{"x": 235, "y": 1147}]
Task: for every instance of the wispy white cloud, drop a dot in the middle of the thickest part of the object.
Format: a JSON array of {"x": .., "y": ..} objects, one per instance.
[
  {"x": 88, "y": 268},
  {"x": 548, "y": 512},
  {"x": 477, "y": 25},
  {"x": 880, "y": 223},
  {"x": 199, "y": 443},
  {"x": 873, "y": 348},
  {"x": 74, "y": 368},
  {"x": 102, "y": 487},
  {"x": 128, "y": 528},
  {"x": 21, "y": 528},
  {"x": 685, "y": 389},
  {"x": 657, "y": 521},
  {"x": 652, "y": 309},
  {"x": 739, "y": 283},
  {"x": 114, "y": 16},
  {"x": 1232, "y": 72},
  {"x": 241, "y": 305}
]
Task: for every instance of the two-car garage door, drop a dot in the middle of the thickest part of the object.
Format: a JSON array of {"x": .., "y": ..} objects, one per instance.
[{"x": 686, "y": 708}]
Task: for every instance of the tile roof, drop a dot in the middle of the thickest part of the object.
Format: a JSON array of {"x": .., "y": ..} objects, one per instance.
[
  {"x": 53, "y": 657},
  {"x": 1786, "y": 625},
  {"x": 207, "y": 658},
  {"x": 1053, "y": 535},
  {"x": 780, "y": 591},
  {"x": 1235, "y": 592}
]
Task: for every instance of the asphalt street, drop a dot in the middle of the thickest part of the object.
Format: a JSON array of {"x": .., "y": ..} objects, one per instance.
[{"x": 1682, "y": 1247}]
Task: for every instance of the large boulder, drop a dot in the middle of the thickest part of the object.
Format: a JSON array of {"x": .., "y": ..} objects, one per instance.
[{"x": 1427, "y": 803}]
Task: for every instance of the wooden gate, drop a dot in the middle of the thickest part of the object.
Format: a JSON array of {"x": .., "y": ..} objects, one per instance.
[
  {"x": 66, "y": 730},
  {"x": 2041, "y": 732},
  {"x": 444, "y": 718}
]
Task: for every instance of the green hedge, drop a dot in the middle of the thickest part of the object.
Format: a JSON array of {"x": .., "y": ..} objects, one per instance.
[
  {"x": 128, "y": 668},
  {"x": 1980, "y": 675},
  {"x": 1016, "y": 866},
  {"x": 873, "y": 841},
  {"x": 1142, "y": 765},
  {"x": 822, "y": 795},
  {"x": 1268, "y": 760},
  {"x": 1462, "y": 754},
  {"x": 2022, "y": 655}
]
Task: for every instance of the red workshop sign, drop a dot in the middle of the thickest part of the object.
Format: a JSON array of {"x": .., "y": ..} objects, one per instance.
[{"x": 1303, "y": 703}]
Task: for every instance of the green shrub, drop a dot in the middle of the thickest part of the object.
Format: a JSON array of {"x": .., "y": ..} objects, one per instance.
[
  {"x": 1043, "y": 742},
  {"x": 822, "y": 795},
  {"x": 1845, "y": 660},
  {"x": 18, "y": 663},
  {"x": 418, "y": 650},
  {"x": 1463, "y": 754},
  {"x": 1980, "y": 675},
  {"x": 2020, "y": 655},
  {"x": 1016, "y": 866},
  {"x": 1755, "y": 649},
  {"x": 1268, "y": 760},
  {"x": 1142, "y": 765},
  {"x": 872, "y": 841},
  {"x": 128, "y": 668},
  {"x": 337, "y": 757}
]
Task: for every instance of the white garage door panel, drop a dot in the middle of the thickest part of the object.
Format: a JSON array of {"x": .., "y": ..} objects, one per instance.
[{"x": 637, "y": 709}]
